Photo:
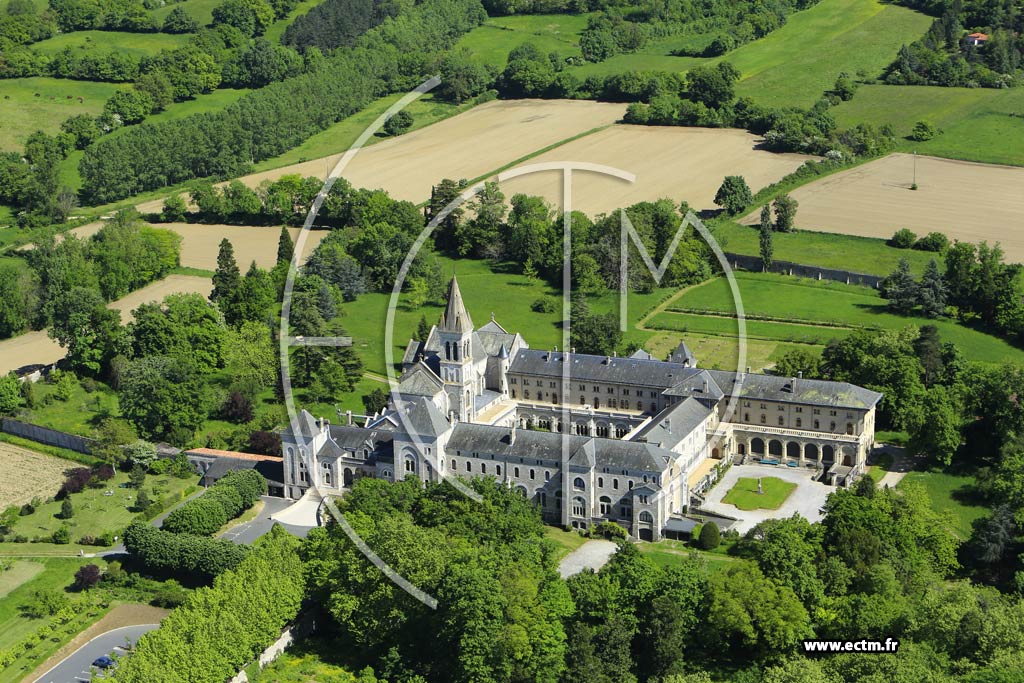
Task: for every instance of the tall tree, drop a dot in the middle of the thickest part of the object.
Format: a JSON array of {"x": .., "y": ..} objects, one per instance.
[
  {"x": 734, "y": 194},
  {"x": 932, "y": 291},
  {"x": 227, "y": 277},
  {"x": 84, "y": 325},
  {"x": 767, "y": 248},
  {"x": 785, "y": 213},
  {"x": 936, "y": 433},
  {"x": 285, "y": 247},
  {"x": 900, "y": 288}
]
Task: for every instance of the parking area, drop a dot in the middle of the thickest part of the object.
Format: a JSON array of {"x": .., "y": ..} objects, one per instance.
[{"x": 807, "y": 499}]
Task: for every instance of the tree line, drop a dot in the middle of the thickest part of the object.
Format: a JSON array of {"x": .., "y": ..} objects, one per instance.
[
  {"x": 277, "y": 117},
  {"x": 230, "y": 496}
]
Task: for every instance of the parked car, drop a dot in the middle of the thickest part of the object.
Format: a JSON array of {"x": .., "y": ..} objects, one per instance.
[{"x": 103, "y": 662}]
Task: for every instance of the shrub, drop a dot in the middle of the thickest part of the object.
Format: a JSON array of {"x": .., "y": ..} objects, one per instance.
[
  {"x": 142, "y": 501},
  {"x": 922, "y": 131},
  {"x": 86, "y": 577},
  {"x": 42, "y": 603},
  {"x": 399, "y": 123},
  {"x": 137, "y": 477},
  {"x": 249, "y": 483},
  {"x": 170, "y": 595},
  {"x": 933, "y": 241},
  {"x": 610, "y": 530},
  {"x": 67, "y": 510},
  {"x": 201, "y": 517},
  {"x": 545, "y": 304},
  {"x": 904, "y": 238},
  {"x": 710, "y": 537},
  {"x": 62, "y": 536},
  {"x": 229, "y": 499},
  {"x": 75, "y": 481}
]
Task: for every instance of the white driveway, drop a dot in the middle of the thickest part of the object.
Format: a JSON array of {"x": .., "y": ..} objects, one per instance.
[
  {"x": 593, "y": 554},
  {"x": 806, "y": 499}
]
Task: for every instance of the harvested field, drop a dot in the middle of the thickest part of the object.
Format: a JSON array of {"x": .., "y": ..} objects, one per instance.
[
  {"x": 172, "y": 284},
  {"x": 469, "y": 145},
  {"x": 25, "y": 474},
  {"x": 200, "y": 242},
  {"x": 673, "y": 162},
  {"x": 37, "y": 348},
  {"x": 966, "y": 201}
]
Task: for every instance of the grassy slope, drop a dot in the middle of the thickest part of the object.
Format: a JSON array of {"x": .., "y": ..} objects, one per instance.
[
  {"x": 782, "y": 297},
  {"x": 22, "y": 113},
  {"x": 976, "y": 123},
  {"x": 58, "y": 574},
  {"x": 952, "y": 494},
  {"x": 137, "y": 44},
  {"x": 491, "y": 42},
  {"x": 796, "y": 63},
  {"x": 200, "y": 10}
]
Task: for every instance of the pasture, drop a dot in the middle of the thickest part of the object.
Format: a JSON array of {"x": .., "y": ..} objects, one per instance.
[
  {"x": 952, "y": 495},
  {"x": 793, "y": 65},
  {"x": 745, "y": 496},
  {"x": 135, "y": 44},
  {"x": 471, "y": 145},
  {"x": 965, "y": 201},
  {"x": 491, "y": 42},
  {"x": 31, "y": 104},
  {"x": 25, "y": 474},
  {"x": 975, "y": 124},
  {"x": 793, "y": 309},
  {"x": 200, "y": 10},
  {"x": 682, "y": 164},
  {"x": 780, "y": 308}
]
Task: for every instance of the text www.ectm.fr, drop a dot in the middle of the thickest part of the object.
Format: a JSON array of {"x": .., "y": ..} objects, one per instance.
[{"x": 887, "y": 645}]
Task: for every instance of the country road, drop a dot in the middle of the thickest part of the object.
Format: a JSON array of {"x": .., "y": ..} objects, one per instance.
[{"x": 76, "y": 666}]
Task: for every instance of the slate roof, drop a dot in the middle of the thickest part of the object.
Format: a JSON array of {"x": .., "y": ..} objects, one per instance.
[
  {"x": 420, "y": 380},
  {"x": 640, "y": 354},
  {"x": 272, "y": 470},
  {"x": 808, "y": 391},
  {"x": 682, "y": 353},
  {"x": 305, "y": 425},
  {"x": 547, "y": 446},
  {"x": 421, "y": 415},
  {"x": 671, "y": 425},
  {"x": 693, "y": 385},
  {"x": 355, "y": 438},
  {"x": 583, "y": 367},
  {"x": 456, "y": 317}
]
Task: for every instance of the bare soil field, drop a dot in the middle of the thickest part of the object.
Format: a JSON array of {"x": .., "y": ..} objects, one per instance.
[
  {"x": 681, "y": 164},
  {"x": 172, "y": 284},
  {"x": 469, "y": 145},
  {"x": 37, "y": 347},
  {"x": 200, "y": 242},
  {"x": 25, "y": 474},
  {"x": 967, "y": 201}
]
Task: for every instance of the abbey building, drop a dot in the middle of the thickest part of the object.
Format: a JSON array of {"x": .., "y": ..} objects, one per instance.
[{"x": 589, "y": 438}]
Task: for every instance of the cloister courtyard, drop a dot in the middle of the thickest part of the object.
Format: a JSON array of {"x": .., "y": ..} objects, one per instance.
[{"x": 806, "y": 499}]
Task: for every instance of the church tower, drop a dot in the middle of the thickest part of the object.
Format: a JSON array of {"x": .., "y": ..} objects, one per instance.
[{"x": 455, "y": 334}]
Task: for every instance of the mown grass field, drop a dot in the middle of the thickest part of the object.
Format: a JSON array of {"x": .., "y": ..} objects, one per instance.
[
  {"x": 137, "y": 44},
  {"x": 953, "y": 495},
  {"x": 56, "y": 575},
  {"x": 796, "y": 63},
  {"x": 200, "y": 10},
  {"x": 567, "y": 541},
  {"x": 811, "y": 312},
  {"x": 868, "y": 255},
  {"x": 31, "y": 104},
  {"x": 491, "y": 42},
  {"x": 668, "y": 553},
  {"x": 744, "y": 493},
  {"x": 976, "y": 124}
]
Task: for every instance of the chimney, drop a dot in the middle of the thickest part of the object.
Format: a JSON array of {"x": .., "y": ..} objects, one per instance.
[
  {"x": 705, "y": 386},
  {"x": 512, "y": 435},
  {"x": 348, "y": 417},
  {"x": 556, "y": 349},
  {"x": 607, "y": 360},
  {"x": 800, "y": 374}
]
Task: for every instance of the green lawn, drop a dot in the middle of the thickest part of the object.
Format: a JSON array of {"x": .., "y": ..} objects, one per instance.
[
  {"x": 80, "y": 414},
  {"x": 796, "y": 63},
  {"x": 200, "y": 10},
  {"x": 18, "y": 573},
  {"x": 567, "y": 541},
  {"x": 795, "y": 305},
  {"x": 868, "y": 255},
  {"x": 56, "y": 575},
  {"x": 670, "y": 553},
  {"x": 491, "y": 42},
  {"x": 95, "y": 512},
  {"x": 881, "y": 466},
  {"x": 975, "y": 123},
  {"x": 31, "y": 104},
  {"x": 952, "y": 495},
  {"x": 137, "y": 44},
  {"x": 744, "y": 494}
]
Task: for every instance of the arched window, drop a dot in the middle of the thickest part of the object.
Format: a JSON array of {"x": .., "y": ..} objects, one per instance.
[
  {"x": 606, "y": 505},
  {"x": 469, "y": 466},
  {"x": 781, "y": 421},
  {"x": 483, "y": 468},
  {"x": 521, "y": 490},
  {"x": 646, "y": 517},
  {"x": 547, "y": 476},
  {"x": 515, "y": 472},
  {"x": 455, "y": 465},
  {"x": 579, "y": 484},
  {"x": 532, "y": 475},
  {"x": 615, "y": 484},
  {"x": 410, "y": 465},
  {"x": 497, "y": 469},
  {"x": 579, "y": 507},
  {"x": 799, "y": 422},
  {"x": 630, "y": 484},
  {"x": 600, "y": 482},
  {"x": 387, "y": 474}
]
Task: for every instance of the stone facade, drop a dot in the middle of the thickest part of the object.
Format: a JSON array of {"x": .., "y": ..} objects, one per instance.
[{"x": 588, "y": 438}]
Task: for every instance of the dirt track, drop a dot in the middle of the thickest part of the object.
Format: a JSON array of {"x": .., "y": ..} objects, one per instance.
[
  {"x": 671, "y": 162},
  {"x": 966, "y": 201}
]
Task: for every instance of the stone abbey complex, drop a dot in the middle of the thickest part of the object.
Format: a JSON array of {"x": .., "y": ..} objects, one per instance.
[{"x": 634, "y": 440}]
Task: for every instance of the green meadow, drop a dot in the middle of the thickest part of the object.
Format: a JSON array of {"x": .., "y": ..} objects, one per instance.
[
  {"x": 975, "y": 124},
  {"x": 136, "y": 44},
  {"x": 31, "y": 104},
  {"x": 200, "y": 10},
  {"x": 491, "y": 42},
  {"x": 794, "y": 310},
  {"x": 952, "y": 495},
  {"x": 796, "y": 63}
]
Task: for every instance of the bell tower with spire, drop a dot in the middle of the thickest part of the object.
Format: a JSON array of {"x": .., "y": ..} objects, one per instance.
[{"x": 455, "y": 333}]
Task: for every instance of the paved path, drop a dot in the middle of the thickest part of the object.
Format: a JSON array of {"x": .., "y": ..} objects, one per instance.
[
  {"x": 591, "y": 555},
  {"x": 806, "y": 499},
  {"x": 76, "y": 666},
  {"x": 250, "y": 531},
  {"x": 901, "y": 464}
]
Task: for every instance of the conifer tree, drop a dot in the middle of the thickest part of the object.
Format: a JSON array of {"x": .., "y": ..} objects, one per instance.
[
  {"x": 227, "y": 276},
  {"x": 285, "y": 247},
  {"x": 767, "y": 248},
  {"x": 932, "y": 291}
]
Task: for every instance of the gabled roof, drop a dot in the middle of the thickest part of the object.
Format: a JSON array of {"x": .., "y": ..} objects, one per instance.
[
  {"x": 613, "y": 370},
  {"x": 673, "y": 424},
  {"x": 585, "y": 455},
  {"x": 305, "y": 425},
  {"x": 785, "y": 389},
  {"x": 700, "y": 384},
  {"x": 455, "y": 317},
  {"x": 978, "y": 36},
  {"x": 640, "y": 354},
  {"x": 682, "y": 354},
  {"x": 420, "y": 380},
  {"x": 493, "y": 326},
  {"x": 422, "y": 416}
]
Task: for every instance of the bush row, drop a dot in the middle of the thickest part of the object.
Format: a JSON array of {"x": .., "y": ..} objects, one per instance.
[
  {"x": 168, "y": 554},
  {"x": 225, "y": 500}
]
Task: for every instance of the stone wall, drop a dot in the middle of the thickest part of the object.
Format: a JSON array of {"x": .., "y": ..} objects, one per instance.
[
  {"x": 753, "y": 263},
  {"x": 304, "y": 625},
  {"x": 45, "y": 435}
]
